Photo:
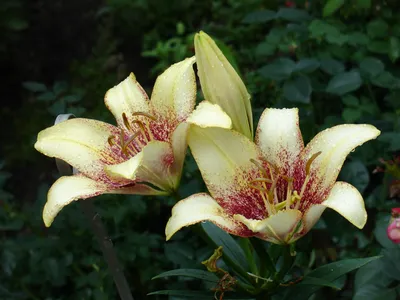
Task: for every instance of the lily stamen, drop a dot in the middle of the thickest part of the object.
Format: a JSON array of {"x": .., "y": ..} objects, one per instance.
[
  {"x": 261, "y": 180},
  {"x": 270, "y": 195},
  {"x": 126, "y": 122},
  {"x": 142, "y": 130},
  {"x": 144, "y": 115},
  {"x": 260, "y": 167},
  {"x": 128, "y": 141},
  {"x": 111, "y": 140}
]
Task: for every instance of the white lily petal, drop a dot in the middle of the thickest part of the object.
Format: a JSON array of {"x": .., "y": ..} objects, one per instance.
[
  {"x": 311, "y": 217},
  {"x": 67, "y": 189},
  {"x": 198, "y": 208},
  {"x": 125, "y": 170},
  {"x": 279, "y": 138},
  {"x": 82, "y": 143},
  {"x": 207, "y": 114},
  {"x": 334, "y": 144},
  {"x": 277, "y": 228},
  {"x": 151, "y": 165},
  {"x": 127, "y": 97},
  {"x": 223, "y": 157},
  {"x": 179, "y": 148},
  {"x": 174, "y": 92},
  {"x": 347, "y": 201},
  {"x": 71, "y": 188}
]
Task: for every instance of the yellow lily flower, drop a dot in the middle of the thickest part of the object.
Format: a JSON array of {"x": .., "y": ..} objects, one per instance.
[
  {"x": 148, "y": 146},
  {"x": 275, "y": 189},
  {"x": 222, "y": 85}
]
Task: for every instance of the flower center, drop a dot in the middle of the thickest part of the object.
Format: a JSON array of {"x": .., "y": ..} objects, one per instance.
[
  {"x": 267, "y": 186},
  {"x": 137, "y": 134}
]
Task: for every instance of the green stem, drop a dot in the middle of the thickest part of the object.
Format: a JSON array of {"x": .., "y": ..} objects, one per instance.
[
  {"x": 288, "y": 260},
  {"x": 107, "y": 248},
  {"x": 248, "y": 251},
  {"x": 267, "y": 266}
]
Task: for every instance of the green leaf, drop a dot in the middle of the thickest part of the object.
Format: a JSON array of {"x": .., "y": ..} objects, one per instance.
[
  {"x": 331, "y": 6},
  {"x": 186, "y": 294},
  {"x": 293, "y": 14},
  {"x": 260, "y": 16},
  {"x": 372, "y": 66},
  {"x": 377, "y": 28},
  {"x": 391, "y": 138},
  {"x": 298, "y": 89},
  {"x": 363, "y": 4},
  {"x": 201, "y": 295},
  {"x": 306, "y": 65},
  {"x": 34, "y": 86},
  {"x": 344, "y": 83},
  {"x": 355, "y": 173},
  {"x": 329, "y": 272},
  {"x": 279, "y": 69},
  {"x": 350, "y": 100},
  {"x": 385, "y": 80},
  {"x": 394, "y": 50},
  {"x": 379, "y": 47},
  {"x": 331, "y": 66},
  {"x": 319, "y": 282},
  {"x": 180, "y": 254},
  {"x": 265, "y": 49},
  {"x": 71, "y": 98},
  {"x": 338, "y": 39},
  {"x": 57, "y": 108},
  {"x": 230, "y": 247},
  {"x": 357, "y": 38},
  {"x": 319, "y": 28},
  {"x": 193, "y": 273},
  {"x": 46, "y": 97},
  {"x": 350, "y": 115},
  {"x": 276, "y": 36},
  {"x": 60, "y": 87}
]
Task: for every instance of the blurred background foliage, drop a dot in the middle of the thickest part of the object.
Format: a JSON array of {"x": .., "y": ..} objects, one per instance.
[{"x": 338, "y": 61}]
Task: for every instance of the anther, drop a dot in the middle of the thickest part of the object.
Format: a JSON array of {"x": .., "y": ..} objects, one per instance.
[
  {"x": 111, "y": 141},
  {"x": 128, "y": 141},
  {"x": 258, "y": 188},
  {"x": 142, "y": 127},
  {"x": 260, "y": 167},
  {"x": 126, "y": 122},
  {"x": 144, "y": 115},
  {"x": 310, "y": 161},
  {"x": 261, "y": 180}
]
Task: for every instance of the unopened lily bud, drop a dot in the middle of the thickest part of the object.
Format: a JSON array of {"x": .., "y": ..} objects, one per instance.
[{"x": 222, "y": 85}]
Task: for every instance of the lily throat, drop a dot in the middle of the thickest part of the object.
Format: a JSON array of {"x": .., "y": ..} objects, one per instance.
[{"x": 271, "y": 180}]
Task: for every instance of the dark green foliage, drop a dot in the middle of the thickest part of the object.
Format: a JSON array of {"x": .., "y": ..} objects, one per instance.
[{"x": 335, "y": 60}]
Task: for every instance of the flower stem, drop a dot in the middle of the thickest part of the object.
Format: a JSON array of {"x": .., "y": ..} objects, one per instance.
[
  {"x": 107, "y": 248},
  {"x": 267, "y": 266}
]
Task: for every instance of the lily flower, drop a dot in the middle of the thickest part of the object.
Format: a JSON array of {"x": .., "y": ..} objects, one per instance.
[
  {"x": 222, "y": 85},
  {"x": 274, "y": 189},
  {"x": 144, "y": 154}
]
